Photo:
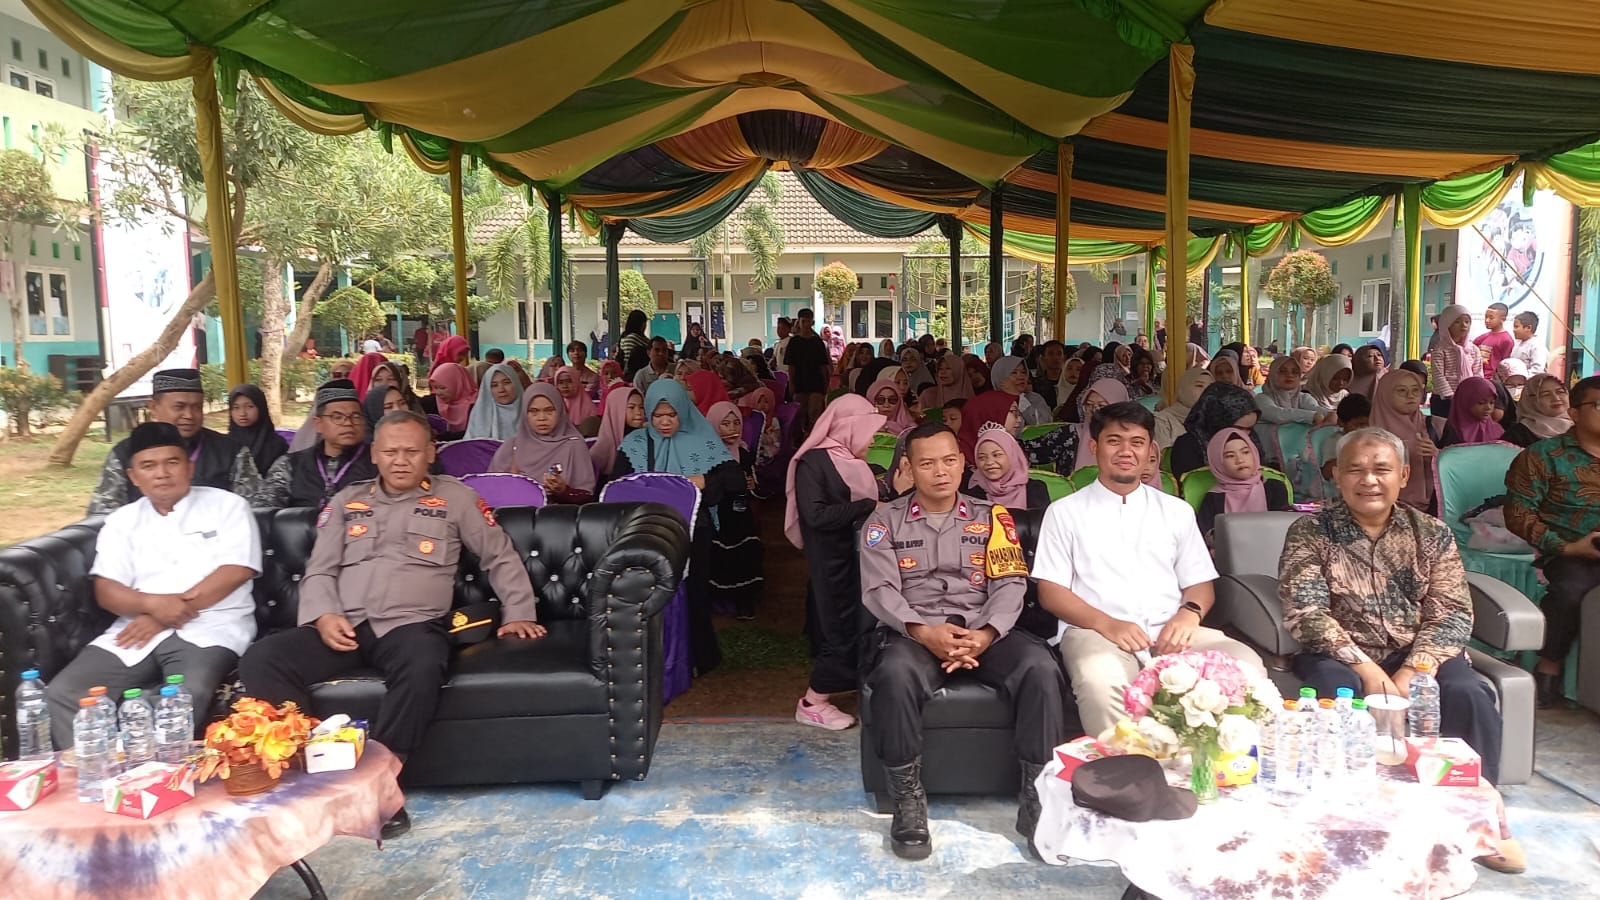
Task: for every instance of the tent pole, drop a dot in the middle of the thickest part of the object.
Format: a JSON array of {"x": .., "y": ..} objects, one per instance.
[
  {"x": 1180, "y": 94},
  {"x": 1246, "y": 313},
  {"x": 458, "y": 240},
  {"x": 997, "y": 265},
  {"x": 558, "y": 275},
  {"x": 952, "y": 232},
  {"x": 613, "y": 232},
  {"x": 219, "y": 223},
  {"x": 1149, "y": 295},
  {"x": 1411, "y": 202},
  {"x": 1065, "y": 155}
]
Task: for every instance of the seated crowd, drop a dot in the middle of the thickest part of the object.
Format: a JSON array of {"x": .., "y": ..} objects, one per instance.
[{"x": 1372, "y": 584}]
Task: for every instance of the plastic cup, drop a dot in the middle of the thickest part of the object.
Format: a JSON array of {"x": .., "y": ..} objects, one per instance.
[{"x": 1389, "y": 714}]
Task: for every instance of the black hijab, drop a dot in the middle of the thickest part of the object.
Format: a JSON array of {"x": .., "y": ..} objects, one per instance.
[
  {"x": 871, "y": 371},
  {"x": 261, "y": 439},
  {"x": 1218, "y": 407},
  {"x": 372, "y": 406}
]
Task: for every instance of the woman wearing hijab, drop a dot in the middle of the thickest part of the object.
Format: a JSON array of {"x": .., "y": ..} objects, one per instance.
[
  {"x": 1074, "y": 406},
  {"x": 1366, "y": 368},
  {"x": 1055, "y": 449},
  {"x": 695, "y": 341},
  {"x": 1542, "y": 411},
  {"x": 1510, "y": 379},
  {"x": 913, "y": 363},
  {"x": 453, "y": 392},
  {"x": 859, "y": 356},
  {"x": 361, "y": 375},
  {"x": 1170, "y": 418},
  {"x": 1283, "y": 401},
  {"x": 1101, "y": 394},
  {"x": 1250, "y": 367},
  {"x": 452, "y": 350},
  {"x": 886, "y": 399},
  {"x": 677, "y": 440},
  {"x": 548, "y": 448},
  {"x": 950, "y": 382},
  {"x": 250, "y": 425},
  {"x": 380, "y": 400},
  {"x": 1329, "y": 381},
  {"x": 1471, "y": 419},
  {"x": 873, "y": 372},
  {"x": 1219, "y": 406},
  {"x": 1397, "y": 409},
  {"x": 1234, "y": 460},
  {"x": 978, "y": 375},
  {"x": 1195, "y": 357},
  {"x": 1000, "y": 473},
  {"x": 707, "y": 389},
  {"x": 1305, "y": 356},
  {"x": 624, "y": 412},
  {"x": 610, "y": 373},
  {"x": 1225, "y": 369},
  {"x": 1142, "y": 381},
  {"x": 1071, "y": 372},
  {"x": 1454, "y": 359},
  {"x": 581, "y": 411},
  {"x": 497, "y": 413},
  {"x": 736, "y": 550},
  {"x": 1011, "y": 376},
  {"x": 831, "y": 491}
]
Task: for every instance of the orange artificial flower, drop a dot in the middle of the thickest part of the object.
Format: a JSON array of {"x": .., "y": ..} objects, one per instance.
[{"x": 256, "y": 732}]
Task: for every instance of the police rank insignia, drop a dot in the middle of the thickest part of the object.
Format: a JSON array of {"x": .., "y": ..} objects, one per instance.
[
  {"x": 488, "y": 514},
  {"x": 908, "y": 563},
  {"x": 434, "y": 502},
  {"x": 875, "y": 534},
  {"x": 356, "y": 530},
  {"x": 425, "y": 546}
]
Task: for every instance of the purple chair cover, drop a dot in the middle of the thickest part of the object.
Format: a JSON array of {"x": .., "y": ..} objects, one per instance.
[
  {"x": 771, "y": 478},
  {"x": 505, "y": 489},
  {"x": 680, "y": 494},
  {"x": 783, "y": 385},
  {"x": 438, "y": 424},
  {"x": 469, "y": 457},
  {"x": 286, "y": 433},
  {"x": 754, "y": 422}
]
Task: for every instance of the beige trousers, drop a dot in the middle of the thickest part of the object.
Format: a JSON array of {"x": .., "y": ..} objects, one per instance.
[{"x": 1100, "y": 671}]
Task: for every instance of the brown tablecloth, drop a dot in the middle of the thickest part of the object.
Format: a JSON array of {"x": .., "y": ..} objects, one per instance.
[{"x": 215, "y": 845}]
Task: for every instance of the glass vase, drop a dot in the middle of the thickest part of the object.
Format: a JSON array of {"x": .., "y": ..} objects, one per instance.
[{"x": 1203, "y": 772}]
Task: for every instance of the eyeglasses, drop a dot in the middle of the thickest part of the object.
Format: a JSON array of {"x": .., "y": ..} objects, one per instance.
[
  {"x": 344, "y": 418},
  {"x": 1594, "y": 403}
]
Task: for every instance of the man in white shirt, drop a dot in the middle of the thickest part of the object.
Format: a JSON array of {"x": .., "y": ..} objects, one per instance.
[
  {"x": 175, "y": 567},
  {"x": 1529, "y": 347},
  {"x": 1124, "y": 567},
  {"x": 781, "y": 345}
]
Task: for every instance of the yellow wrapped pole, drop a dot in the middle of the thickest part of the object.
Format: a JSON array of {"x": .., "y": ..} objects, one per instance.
[
  {"x": 1411, "y": 208},
  {"x": 1180, "y": 95},
  {"x": 219, "y": 223},
  {"x": 458, "y": 240},
  {"x": 1246, "y": 311},
  {"x": 1064, "y": 158}
]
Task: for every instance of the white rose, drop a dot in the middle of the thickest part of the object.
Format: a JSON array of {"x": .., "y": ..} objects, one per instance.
[
  {"x": 1208, "y": 696},
  {"x": 1161, "y": 737},
  {"x": 1266, "y": 693},
  {"x": 1195, "y": 715},
  {"x": 1178, "y": 678},
  {"x": 1236, "y": 734}
]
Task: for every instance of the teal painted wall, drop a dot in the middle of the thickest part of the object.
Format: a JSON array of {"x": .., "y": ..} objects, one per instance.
[{"x": 38, "y": 353}]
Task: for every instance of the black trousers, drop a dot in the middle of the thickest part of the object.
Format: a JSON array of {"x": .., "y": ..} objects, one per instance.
[
  {"x": 1019, "y": 665},
  {"x": 1570, "y": 578},
  {"x": 412, "y": 659},
  {"x": 1466, "y": 702}
]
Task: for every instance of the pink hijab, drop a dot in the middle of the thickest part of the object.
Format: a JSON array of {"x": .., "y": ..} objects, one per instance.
[
  {"x": 463, "y": 392},
  {"x": 449, "y": 349},
  {"x": 1111, "y": 391},
  {"x": 752, "y": 400},
  {"x": 900, "y": 422},
  {"x": 1406, "y": 428},
  {"x": 719, "y": 411},
  {"x": 613, "y": 427},
  {"x": 845, "y": 424},
  {"x": 1012, "y": 488},
  {"x": 579, "y": 406},
  {"x": 1239, "y": 494},
  {"x": 1471, "y": 430}
]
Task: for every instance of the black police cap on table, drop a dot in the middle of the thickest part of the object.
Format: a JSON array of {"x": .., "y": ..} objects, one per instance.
[{"x": 1133, "y": 788}]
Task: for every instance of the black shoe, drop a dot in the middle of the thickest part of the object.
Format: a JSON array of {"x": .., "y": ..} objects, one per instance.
[
  {"x": 1547, "y": 689},
  {"x": 908, "y": 832},
  {"x": 1028, "y": 802},
  {"x": 395, "y": 827}
]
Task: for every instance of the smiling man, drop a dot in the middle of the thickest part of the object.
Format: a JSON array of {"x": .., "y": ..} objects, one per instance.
[
  {"x": 1123, "y": 566},
  {"x": 311, "y": 476},
  {"x": 174, "y": 567}
]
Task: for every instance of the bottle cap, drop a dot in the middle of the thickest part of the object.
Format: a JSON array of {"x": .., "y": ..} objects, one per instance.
[
  {"x": 1290, "y": 705},
  {"x": 1308, "y": 692},
  {"x": 98, "y": 690},
  {"x": 1424, "y": 667},
  {"x": 169, "y": 690},
  {"x": 30, "y": 674},
  {"x": 1346, "y": 693},
  {"x": 131, "y": 693},
  {"x": 1325, "y": 703},
  {"x": 174, "y": 679},
  {"x": 1358, "y": 703},
  {"x": 87, "y": 701}
]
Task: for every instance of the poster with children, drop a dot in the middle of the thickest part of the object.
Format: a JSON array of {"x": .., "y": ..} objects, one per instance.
[{"x": 1520, "y": 256}]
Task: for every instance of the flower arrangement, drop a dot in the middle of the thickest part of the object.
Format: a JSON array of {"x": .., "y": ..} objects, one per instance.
[{"x": 256, "y": 734}]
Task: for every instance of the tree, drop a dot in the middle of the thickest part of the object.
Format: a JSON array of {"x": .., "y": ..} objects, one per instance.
[
  {"x": 1588, "y": 248},
  {"x": 974, "y": 319},
  {"x": 836, "y": 283},
  {"x": 352, "y": 309},
  {"x": 1304, "y": 279},
  {"x": 27, "y": 200},
  {"x": 511, "y": 244},
  {"x": 756, "y": 222},
  {"x": 636, "y": 293},
  {"x": 1040, "y": 282}
]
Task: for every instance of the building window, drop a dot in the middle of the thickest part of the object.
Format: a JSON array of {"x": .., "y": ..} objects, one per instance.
[
  {"x": 55, "y": 249},
  {"x": 44, "y": 60},
  {"x": 1369, "y": 262},
  {"x": 1386, "y": 262},
  {"x": 1374, "y": 308},
  {"x": 44, "y": 88},
  {"x": 541, "y": 320},
  {"x": 66, "y": 67},
  {"x": 16, "y": 49},
  {"x": 1334, "y": 266},
  {"x": 871, "y": 320},
  {"x": 19, "y": 79},
  {"x": 49, "y": 306},
  {"x": 716, "y": 284},
  {"x": 1441, "y": 251},
  {"x": 694, "y": 282},
  {"x": 718, "y": 328},
  {"x": 1427, "y": 255},
  {"x": 883, "y": 283},
  {"x": 797, "y": 282}
]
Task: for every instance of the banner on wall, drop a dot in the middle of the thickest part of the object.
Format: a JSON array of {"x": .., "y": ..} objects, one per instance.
[
  {"x": 146, "y": 272},
  {"x": 1520, "y": 255}
]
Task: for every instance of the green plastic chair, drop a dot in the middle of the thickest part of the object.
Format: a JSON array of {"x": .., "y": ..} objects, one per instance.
[
  {"x": 1463, "y": 477},
  {"x": 879, "y": 456},
  {"x": 1036, "y": 431},
  {"x": 1087, "y": 475},
  {"x": 1058, "y": 485},
  {"x": 1166, "y": 461},
  {"x": 885, "y": 439},
  {"x": 1149, "y": 402},
  {"x": 1197, "y": 484},
  {"x": 836, "y": 394}
]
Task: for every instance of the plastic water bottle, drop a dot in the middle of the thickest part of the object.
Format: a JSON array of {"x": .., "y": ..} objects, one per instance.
[
  {"x": 91, "y": 746},
  {"x": 1360, "y": 753},
  {"x": 33, "y": 718},
  {"x": 1343, "y": 702},
  {"x": 1290, "y": 749},
  {"x": 1267, "y": 752},
  {"x": 186, "y": 698},
  {"x": 1308, "y": 699},
  {"x": 1328, "y": 752},
  {"x": 1423, "y": 719},
  {"x": 105, "y": 707},
  {"x": 173, "y": 730},
  {"x": 137, "y": 721}
]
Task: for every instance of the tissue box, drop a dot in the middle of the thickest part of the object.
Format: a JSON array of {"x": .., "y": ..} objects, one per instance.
[
  {"x": 335, "y": 751},
  {"x": 25, "y": 782},
  {"x": 1444, "y": 762},
  {"x": 1075, "y": 753},
  {"x": 145, "y": 791}
]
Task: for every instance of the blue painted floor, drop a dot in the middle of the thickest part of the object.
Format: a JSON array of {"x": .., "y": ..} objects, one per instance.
[{"x": 767, "y": 808}]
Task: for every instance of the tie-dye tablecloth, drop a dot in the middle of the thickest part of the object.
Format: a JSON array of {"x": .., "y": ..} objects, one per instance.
[
  {"x": 215, "y": 845},
  {"x": 1402, "y": 840}
]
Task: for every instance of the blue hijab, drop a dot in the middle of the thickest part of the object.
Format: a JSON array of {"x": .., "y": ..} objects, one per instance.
[
  {"x": 489, "y": 419},
  {"x": 695, "y": 449}
]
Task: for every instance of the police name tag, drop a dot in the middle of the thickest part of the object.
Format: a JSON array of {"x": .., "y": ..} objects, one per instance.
[{"x": 1004, "y": 551}]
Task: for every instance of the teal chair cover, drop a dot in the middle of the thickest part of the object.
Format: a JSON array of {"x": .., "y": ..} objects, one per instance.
[
  {"x": 1463, "y": 477},
  {"x": 1290, "y": 440},
  {"x": 1319, "y": 488},
  {"x": 1149, "y": 402}
]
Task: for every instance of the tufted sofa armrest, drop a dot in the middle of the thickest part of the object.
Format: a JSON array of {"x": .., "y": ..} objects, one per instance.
[{"x": 1502, "y": 617}]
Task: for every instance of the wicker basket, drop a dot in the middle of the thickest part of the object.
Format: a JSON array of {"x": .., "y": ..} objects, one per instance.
[{"x": 245, "y": 779}]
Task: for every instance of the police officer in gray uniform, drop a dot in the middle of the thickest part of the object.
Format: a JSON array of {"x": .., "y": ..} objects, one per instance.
[
  {"x": 379, "y": 584},
  {"x": 944, "y": 574}
]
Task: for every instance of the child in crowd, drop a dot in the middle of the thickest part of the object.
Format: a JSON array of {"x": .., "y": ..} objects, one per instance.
[
  {"x": 1529, "y": 347},
  {"x": 951, "y": 413},
  {"x": 1496, "y": 342},
  {"x": 1355, "y": 411},
  {"x": 1471, "y": 419}
]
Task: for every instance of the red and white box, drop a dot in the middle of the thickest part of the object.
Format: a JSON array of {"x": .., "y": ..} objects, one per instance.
[
  {"x": 1075, "y": 753},
  {"x": 27, "y": 781},
  {"x": 336, "y": 745},
  {"x": 149, "y": 790},
  {"x": 1443, "y": 762}
]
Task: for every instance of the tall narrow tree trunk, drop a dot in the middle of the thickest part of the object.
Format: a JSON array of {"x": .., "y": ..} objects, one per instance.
[
  {"x": 305, "y": 314},
  {"x": 274, "y": 309}
]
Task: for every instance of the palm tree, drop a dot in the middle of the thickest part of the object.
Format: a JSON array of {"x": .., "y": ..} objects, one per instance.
[
  {"x": 512, "y": 247},
  {"x": 756, "y": 222},
  {"x": 1588, "y": 248}
]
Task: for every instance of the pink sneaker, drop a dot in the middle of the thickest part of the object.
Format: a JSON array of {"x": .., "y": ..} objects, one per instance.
[{"x": 822, "y": 715}]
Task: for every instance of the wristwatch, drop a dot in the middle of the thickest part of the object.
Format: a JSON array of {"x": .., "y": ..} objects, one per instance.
[{"x": 1194, "y": 607}]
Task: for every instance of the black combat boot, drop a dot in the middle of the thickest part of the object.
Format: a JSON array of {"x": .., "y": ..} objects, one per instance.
[
  {"x": 908, "y": 833},
  {"x": 1028, "y": 801}
]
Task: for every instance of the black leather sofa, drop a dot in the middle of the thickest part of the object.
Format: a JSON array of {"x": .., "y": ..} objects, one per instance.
[
  {"x": 583, "y": 704},
  {"x": 967, "y": 744}
]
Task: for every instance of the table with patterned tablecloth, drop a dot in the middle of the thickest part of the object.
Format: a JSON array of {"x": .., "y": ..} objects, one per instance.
[
  {"x": 216, "y": 845},
  {"x": 1402, "y": 839}
]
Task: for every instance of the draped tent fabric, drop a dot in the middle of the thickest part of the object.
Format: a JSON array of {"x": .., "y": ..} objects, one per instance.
[{"x": 1306, "y": 120}]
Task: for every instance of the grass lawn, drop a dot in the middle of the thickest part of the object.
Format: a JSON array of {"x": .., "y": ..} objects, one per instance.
[{"x": 38, "y": 498}]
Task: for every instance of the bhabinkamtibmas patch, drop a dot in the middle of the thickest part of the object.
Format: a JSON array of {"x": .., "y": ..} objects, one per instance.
[{"x": 1004, "y": 551}]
